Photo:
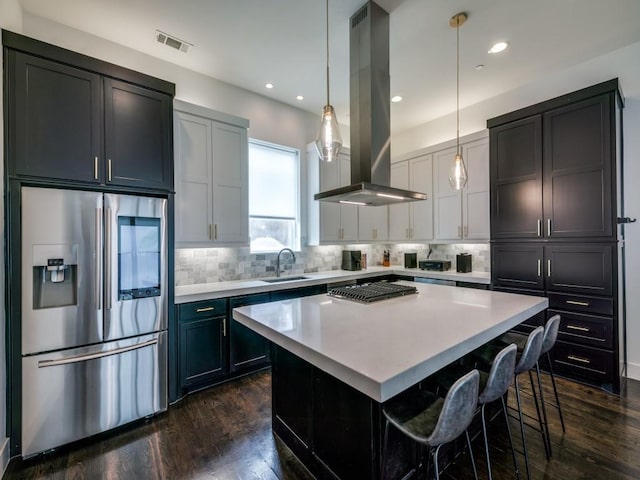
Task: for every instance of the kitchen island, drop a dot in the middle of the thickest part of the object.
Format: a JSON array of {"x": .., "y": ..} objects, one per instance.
[{"x": 335, "y": 362}]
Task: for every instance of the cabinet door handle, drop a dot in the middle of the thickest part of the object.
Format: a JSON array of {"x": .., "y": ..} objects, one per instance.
[
  {"x": 580, "y": 329},
  {"x": 548, "y": 227},
  {"x": 95, "y": 168},
  {"x": 406, "y": 233},
  {"x": 576, "y": 302},
  {"x": 210, "y": 232},
  {"x": 466, "y": 231},
  {"x": 109, "y": 168},
  {"x": 579, "y": 359},
  {"x": 539, "y": 227},
  {"x": 215, "y": 231},
  {"x": 224, "y": 327},
  {"x": 539, "y": 267},
  {"x": 204, "y": 309},
  {"x": 459, "y": 232},
  {"x": 548, "y": 268}
]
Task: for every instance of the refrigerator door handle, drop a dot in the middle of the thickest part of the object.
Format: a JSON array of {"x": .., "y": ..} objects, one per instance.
[
  {"x": 98, "y": 254},
  {"x": 107, "y": 259},
  {"x": 93, "y": 356}
]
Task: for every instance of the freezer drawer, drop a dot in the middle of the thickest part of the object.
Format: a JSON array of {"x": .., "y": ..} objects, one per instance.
[{"x": 75, "y": 393}]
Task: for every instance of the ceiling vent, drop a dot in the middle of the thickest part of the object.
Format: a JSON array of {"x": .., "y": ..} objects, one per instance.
[{"x": 173, "y": 42}]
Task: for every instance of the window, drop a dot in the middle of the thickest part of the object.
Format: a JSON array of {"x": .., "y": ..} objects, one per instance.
[{"x": 273, "y": 197}]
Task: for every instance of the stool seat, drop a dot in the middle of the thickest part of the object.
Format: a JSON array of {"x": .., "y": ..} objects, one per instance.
[
  {"x": 415, "y": 413},
  {"x": 431, "y": 420}
]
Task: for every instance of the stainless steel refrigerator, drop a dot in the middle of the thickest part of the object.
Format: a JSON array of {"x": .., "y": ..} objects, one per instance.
[{"x": 94, "y": 313}]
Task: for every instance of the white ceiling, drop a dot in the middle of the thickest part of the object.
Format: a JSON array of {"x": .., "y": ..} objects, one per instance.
[{"x": 250, "y": 42}]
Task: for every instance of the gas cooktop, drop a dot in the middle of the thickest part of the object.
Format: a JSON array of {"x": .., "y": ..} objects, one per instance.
[{"x": 372, "y": 292}]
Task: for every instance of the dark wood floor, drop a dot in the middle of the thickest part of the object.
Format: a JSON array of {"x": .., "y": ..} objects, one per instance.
[{"x": 225, "y": 433}]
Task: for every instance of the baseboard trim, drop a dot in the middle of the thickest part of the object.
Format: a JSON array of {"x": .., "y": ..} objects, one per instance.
[
  {"x": 633, "y": 371},
  {"x": 4, "y": 456}
]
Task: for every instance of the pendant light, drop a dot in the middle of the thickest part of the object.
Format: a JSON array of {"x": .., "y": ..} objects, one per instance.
[
  {"x": 328, "y": 141},
  {"x": 458, "y": 172}
]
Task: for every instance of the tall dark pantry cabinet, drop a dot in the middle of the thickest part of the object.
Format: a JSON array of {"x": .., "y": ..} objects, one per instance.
[{"x": 556, "y": 200}]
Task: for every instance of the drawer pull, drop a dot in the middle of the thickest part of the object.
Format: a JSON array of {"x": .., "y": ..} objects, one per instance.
[
  {"x": 204, "y": 309},
  {"x": 539, "y": 267},
  {"x": 579, "y": 359},
  {"x": 575, "y": 327},
  {"x": 576, "y": 302}
]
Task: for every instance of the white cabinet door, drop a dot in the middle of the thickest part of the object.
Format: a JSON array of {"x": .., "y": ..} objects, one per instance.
[
  {"x": 372, "y": 224},
  {"x": 348, "y": 213},
  {"x": 475, "y": 196},
  {"x": 447, "y": 201},
  {"x": 421, "y": 180},
  {"x": 194, "y": 197},
  {"x": 230, "y": 184},
  {"x": 329, "y": 212},
  {"x": 399, "y": 223}
]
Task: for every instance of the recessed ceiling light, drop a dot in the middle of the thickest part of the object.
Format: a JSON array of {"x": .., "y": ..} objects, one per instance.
[
  {"x": 479, "y": 66},
  {"x": 498, "y": 47},
  {"x": 299, "y": 97},
  {"x": 269, "y": 85},
  {"x": 396, "y": 99}
]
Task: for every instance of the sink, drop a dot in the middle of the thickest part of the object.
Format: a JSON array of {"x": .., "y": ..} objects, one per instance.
[{"x": 283, "y": 279}]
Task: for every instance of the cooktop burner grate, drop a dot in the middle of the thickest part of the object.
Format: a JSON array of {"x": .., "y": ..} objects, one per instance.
[{"x": 372, "y": 292}]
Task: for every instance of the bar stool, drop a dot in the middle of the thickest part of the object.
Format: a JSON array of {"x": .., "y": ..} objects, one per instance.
[
  {"x": 526, "y": 361},
  {"x": 548, "y": 342},
  {"x": 494, "y": 386},
  {"x": 432, "y": 421}
]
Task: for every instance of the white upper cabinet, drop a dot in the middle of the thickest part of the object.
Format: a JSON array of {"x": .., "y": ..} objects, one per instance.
[
  {"x": 462, "y": 214},
  {"x": 330, "y": 222},
  {"x": 475, "y": 197},
  {"x": 373, "y": 224},
  {"x": 412, "y": 221},
  {"x": 211, "y": 162}
]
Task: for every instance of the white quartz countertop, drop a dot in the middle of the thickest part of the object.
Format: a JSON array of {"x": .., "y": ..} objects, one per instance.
[
  {"x": 210, "y": 291},
  {"x": 382, "y": 348}
]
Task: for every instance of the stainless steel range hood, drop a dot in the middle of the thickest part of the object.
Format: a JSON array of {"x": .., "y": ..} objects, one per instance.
[{"x": 370, "y": 115}]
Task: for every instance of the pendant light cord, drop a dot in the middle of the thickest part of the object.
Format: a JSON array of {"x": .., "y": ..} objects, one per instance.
[
  {"x": 327, "y": 17},
  {"x": 457, "y": 85}
]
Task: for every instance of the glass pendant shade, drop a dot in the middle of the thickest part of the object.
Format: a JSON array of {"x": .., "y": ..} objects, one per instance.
[
  {"x": 458, "y": 173},
  {"x": 329, "y": 141}
]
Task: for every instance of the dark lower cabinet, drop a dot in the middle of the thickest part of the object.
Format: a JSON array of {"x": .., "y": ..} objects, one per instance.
[
  {"x": 292, "y": 395},
  {"x": 332, "y": 428},
  {"x": 579, "y": 280},
  {"x": 203, "y": 343},
  {"x": 247, "y": 349}
]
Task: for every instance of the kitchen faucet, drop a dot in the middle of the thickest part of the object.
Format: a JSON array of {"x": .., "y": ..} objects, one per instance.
[{"x": 278, "y": 259}]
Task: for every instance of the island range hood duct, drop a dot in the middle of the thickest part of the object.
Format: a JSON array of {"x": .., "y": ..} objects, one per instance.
[{"x": 370, "y": 115}]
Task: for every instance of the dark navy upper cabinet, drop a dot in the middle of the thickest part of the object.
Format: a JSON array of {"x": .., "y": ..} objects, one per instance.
[
  {"x": 76, "y": 119},
  {"x": 55, "y": 124},
  {"x": 552, "y": 172},
  {"x": 138, "y": 124},
  {"x": 578, "y": 160}
]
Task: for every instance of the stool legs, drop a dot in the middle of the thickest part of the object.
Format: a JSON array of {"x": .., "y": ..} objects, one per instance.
[
  {"x": 524, "y": 438},
  {"x": 486, "y": 441},
  {"x": 473, "y": 461},
  {"x": 513, "y": 450},
  {"x": 545, "y": 433},
  {"x": 555, "y": 391}
]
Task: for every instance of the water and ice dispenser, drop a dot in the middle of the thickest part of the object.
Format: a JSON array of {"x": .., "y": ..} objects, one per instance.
[{"x": 55, "y": 276}]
